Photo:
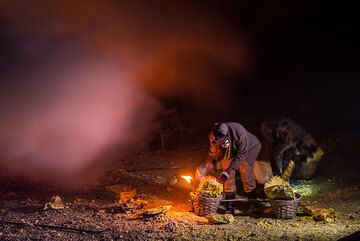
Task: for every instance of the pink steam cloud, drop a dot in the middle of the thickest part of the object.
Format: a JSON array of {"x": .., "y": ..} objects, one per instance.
[
  {"x": 88, "y": 74},
  {"x": 57, "y": 121}
]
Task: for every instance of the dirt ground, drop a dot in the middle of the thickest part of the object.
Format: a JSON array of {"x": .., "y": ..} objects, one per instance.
[{"x": 87, "y": 216}]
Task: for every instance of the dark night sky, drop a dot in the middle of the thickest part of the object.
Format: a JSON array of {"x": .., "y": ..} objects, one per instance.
[{"x": 306, "y": 58}]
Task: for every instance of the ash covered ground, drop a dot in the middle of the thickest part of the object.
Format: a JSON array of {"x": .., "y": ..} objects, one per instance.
[{"x": 337, "y": 185}]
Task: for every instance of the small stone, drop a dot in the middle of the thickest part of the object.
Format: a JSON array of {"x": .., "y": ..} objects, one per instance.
[
  {"x": 174, "y": 180},
  {"x": 55, "y": 203},
  {"x": 157, "y": 211},
  {"x": 171, "y": 227},
  {"x": 295, "y": 225},
  {"x": 238, "y": 212},
  {"x": 264, "y": 223},
  {"x": 268, "y": 211},
  {"x": 220, "y": 218}
]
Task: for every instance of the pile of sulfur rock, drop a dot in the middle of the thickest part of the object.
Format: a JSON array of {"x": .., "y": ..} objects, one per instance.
[{"x": 209, "y": 187}]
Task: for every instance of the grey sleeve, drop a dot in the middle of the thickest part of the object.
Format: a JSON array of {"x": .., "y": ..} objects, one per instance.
[
  {"x": 240, "y": 152},
  {"x": 278, "y": 156},
  {"x": 288, "y": 136}
]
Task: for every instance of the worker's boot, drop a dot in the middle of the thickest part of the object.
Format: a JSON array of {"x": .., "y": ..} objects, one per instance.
[
  {"x": 253, "y": 207},
  {"x": 260, "y": 192},
  {"x": 229, "y": 206},
  {"x": 251, "y": 195}
]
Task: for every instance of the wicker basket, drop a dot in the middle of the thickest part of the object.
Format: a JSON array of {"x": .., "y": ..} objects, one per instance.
[
  {"x": 285, "y": 209},
  {"x": 205, "y": 205}
]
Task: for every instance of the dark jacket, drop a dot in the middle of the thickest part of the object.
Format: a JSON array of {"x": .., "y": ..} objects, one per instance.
[
  {"x": 281, "y": 134},
  {"x": 243, "y": 143}
]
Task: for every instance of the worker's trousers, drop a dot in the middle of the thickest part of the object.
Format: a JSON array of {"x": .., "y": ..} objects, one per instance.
[{"x": 250, "y": 174}]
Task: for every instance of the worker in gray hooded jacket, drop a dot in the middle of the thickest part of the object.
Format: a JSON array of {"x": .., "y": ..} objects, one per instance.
[
  {"x": 236, "y": 149},
  {"x": 282, "y": 137}
]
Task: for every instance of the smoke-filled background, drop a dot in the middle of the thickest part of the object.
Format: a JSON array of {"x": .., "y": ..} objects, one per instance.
[{"x": 79, "y": 77}]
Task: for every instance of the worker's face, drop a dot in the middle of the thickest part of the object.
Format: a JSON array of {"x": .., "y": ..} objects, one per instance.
[
  {"x": 221, "y": 140},
  {"x": 224, "y": 142},
  {"x": 217, "y": 139}
]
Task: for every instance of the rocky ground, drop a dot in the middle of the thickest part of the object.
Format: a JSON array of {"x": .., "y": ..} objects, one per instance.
[{"x": 88, "y": 213}]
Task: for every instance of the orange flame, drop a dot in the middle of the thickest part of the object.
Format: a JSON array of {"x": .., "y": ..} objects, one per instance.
[{"x": 187, "y": 178}]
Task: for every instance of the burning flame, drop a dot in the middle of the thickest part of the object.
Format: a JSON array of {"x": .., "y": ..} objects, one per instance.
[{"x": 187, "y": 178}]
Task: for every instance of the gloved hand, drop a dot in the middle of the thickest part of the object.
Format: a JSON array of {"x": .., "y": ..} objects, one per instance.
[{"x": 223, "y": 176}]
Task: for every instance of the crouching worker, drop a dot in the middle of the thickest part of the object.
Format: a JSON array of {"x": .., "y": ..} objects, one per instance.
[
  {"x": 284, "y": 140},
  {"x": 234, "y": 149}
]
